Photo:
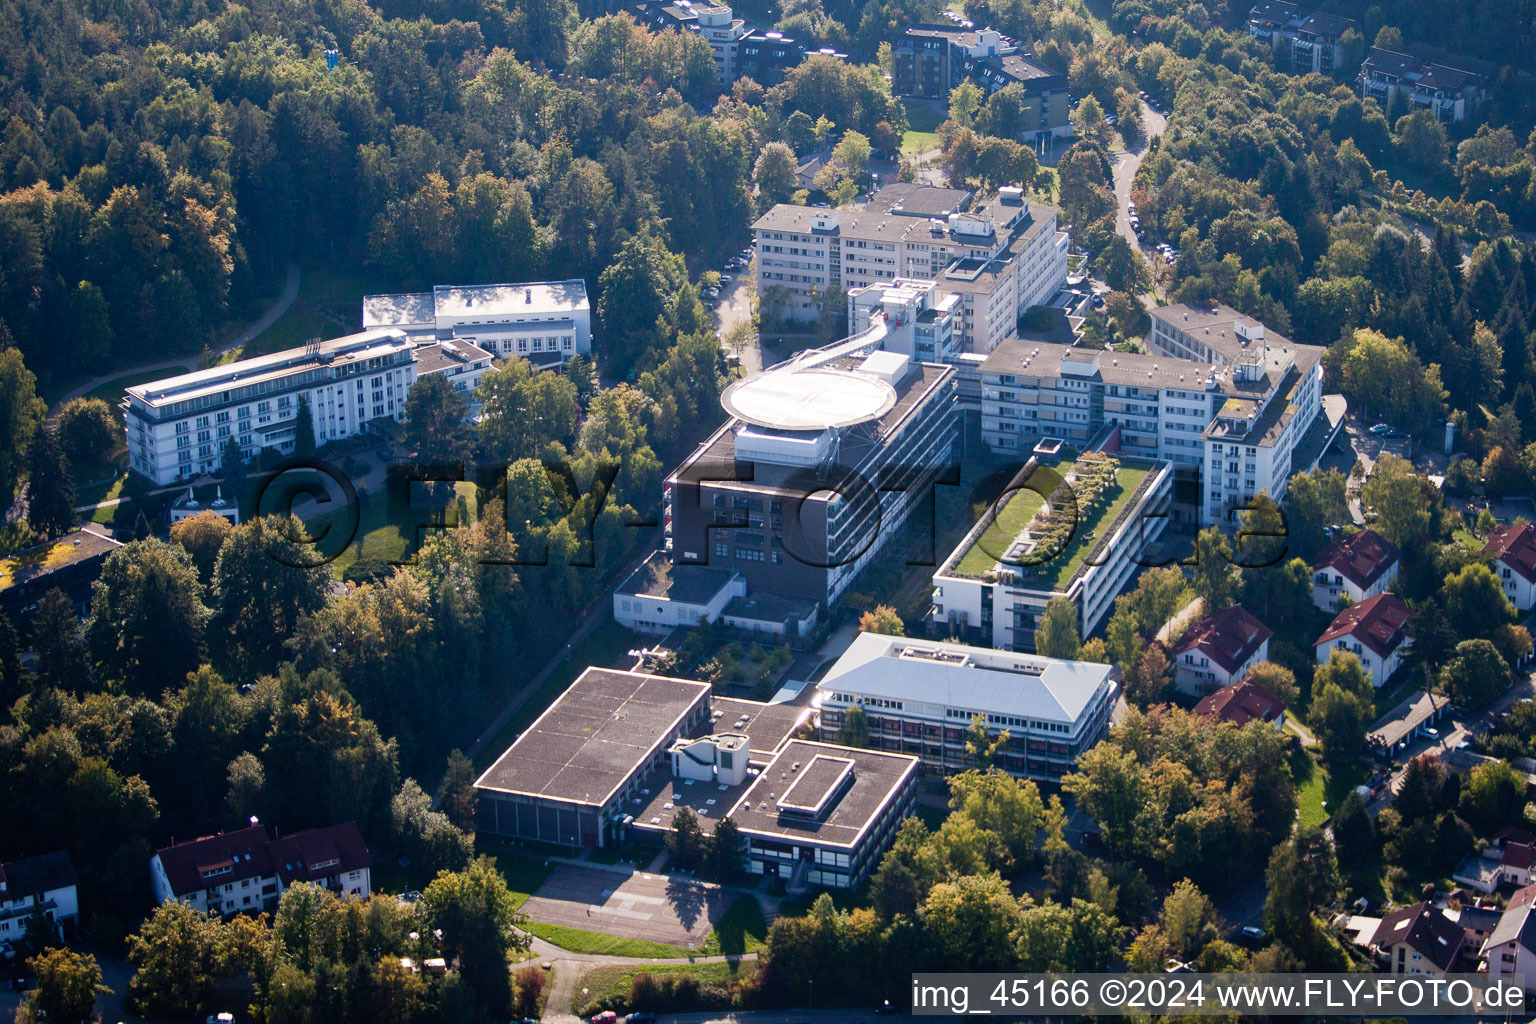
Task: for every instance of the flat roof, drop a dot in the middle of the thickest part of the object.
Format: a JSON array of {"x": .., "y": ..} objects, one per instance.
[
  {"x": 659, "y": 578},
  {"x": 273, "y": 366},
  {"x": 42, "y": 559},
  {"x": 851, "y": 787},
  {"x": 510, "y": 299},
  {"x": 1419, "y": 707},
  {"x": 405, "y": 309},
  {"x": 812, "y": 400},
  {"x": 439, "y": 355},
  {"x": 594, "y": 737},
  {"x": 766, "y": 726},
  {"x": 971, "y": 679}
]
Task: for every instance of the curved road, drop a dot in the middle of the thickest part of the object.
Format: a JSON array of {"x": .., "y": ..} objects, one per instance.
[
  {"x": 270, "y": 317},
  {"x": 1127, "y": 161}
]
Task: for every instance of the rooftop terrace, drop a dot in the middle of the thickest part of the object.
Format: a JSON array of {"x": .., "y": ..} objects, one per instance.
[{"x": 1057, "y": 563}]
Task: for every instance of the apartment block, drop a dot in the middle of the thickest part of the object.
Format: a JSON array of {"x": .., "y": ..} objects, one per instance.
[
  {"x": 177, "y": 427},
  {"x": 1303, "y": 40},
  {"x": 1047, "y": 100},
  {"x": 245, "y": 871},
  {"x": 1450, "y": 93},
  {"x": 1000, "y": 257},
  {"x": 928, "y": 60},
  {"x": 713, "y": 22}
]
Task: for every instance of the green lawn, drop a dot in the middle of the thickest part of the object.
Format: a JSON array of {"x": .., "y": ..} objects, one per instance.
[
  {"x": 921, "y": 122},
  {"x": 609, "y": 985},
  {"x": 524, "y": 872},
  {"x": 377, "y": 535},
  {"x": 740, "y": 930},
  {"x": 1319, "y": 792},
  {"x": 1056, "y": 572}
]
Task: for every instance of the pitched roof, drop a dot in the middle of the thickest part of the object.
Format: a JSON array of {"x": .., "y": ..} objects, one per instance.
[
  {"x": 1517, "y": 924},
  {"x": 1515, "y": 546},
  {"x": 1379, "y": 623},
  {"x": 1518, "y": 855},
  {"x": 37, "y": 875},
  {"x": 1426, "y": 930},
  {"x": 1523, "y": 897},
  {"x": 318, "y": 852},
  {"x": 1272, "y": 12},
  {"x": 1362, "y": 559},
  {"x": 227, "y": 857},
  {"x": 1240, "y": 703},
  {"x": 1512, "y": 834},
  {"x": 1229, "y": 638},
  {"x": 1324, "y": 24}
]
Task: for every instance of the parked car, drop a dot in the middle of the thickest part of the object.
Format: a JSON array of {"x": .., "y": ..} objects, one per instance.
[
  {"x": 1098, "y": 300},
  {"x": 1254, "y": 933},
  {"x": 221, "y": 1018},
  {"x": 1381, "y": 428},
  {"x": 641, "y": 1017},
  {"x": 606, "y": 1017},
  {"x": 726, "y": 279}
]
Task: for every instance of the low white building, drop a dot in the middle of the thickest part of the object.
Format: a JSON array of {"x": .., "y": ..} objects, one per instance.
[
  {"x": 1510, "y": 951},
  {"x": 920, "y": 697},
  {"x": 188, "y": 506},
  {"x": 1513, "y": 549},
  {"x": 246, "y": 871},
  {"x": 545, "y": 322},
  {"x": 1358, "y": 566},
  {"x": 1219, "y": 650},
  {"x": 43, "y": 884},
  {"x": 661, "y": 596},
  {"x": 1375, "y": 631}
]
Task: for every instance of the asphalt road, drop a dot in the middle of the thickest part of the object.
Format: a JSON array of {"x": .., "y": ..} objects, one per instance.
[{"x": 1153, "y": 124}]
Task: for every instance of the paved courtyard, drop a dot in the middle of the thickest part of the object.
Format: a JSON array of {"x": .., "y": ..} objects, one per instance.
[{"x": 641, "y": 905}]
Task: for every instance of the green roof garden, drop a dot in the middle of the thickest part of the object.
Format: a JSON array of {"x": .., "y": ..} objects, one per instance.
[{"x": 1113, "y": 486}]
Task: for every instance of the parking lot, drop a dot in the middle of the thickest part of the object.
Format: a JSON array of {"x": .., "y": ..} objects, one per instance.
[{"x": 641, "y": 905}]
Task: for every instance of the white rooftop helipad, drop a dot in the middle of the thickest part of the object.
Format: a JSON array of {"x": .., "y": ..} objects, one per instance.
[{"x": 813, "y": 399}]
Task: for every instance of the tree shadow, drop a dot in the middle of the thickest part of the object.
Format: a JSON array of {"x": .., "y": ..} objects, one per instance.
[{"x": 689, "y": 899}]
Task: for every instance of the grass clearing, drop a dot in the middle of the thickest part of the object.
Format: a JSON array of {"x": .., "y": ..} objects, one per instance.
[
  {"x": 1320, "y": 792},
  {"x": 579, "y": 940},
  {"x": 611, "y": 984},
  {"x": 741, "y": 929},
  {"x": 378, "y": 536},
  {"x": 524, "y": 873}
]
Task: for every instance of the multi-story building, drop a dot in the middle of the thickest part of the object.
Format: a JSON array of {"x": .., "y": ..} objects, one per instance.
[
  {"x": 920, "y": 324},
  {"x": 70, "y": 564},
  {"x": 766, "y": 56},
  {"x": 1047, "y": 101},
  {"x": 928, "y": 60},
  {"x": 1000, "y": 258},
  {"x": 177, "y": 427},
  {"x": 620, "y": 754},
  {"x": 1450, "y": 93},
  {"x": 1303, "y": 40},
  {"x": 994, "y": 587},
  {"x": 1241, "y": 703},
  {"x": 1513, "y": 550},
  {"x": 246, "y": 871},
  {"x": 921, "y": 697},
  {"x": 545, "y": 322},
  {"x": 1353, "y": 568},
  {"x": 713, "y": 22},
  {"x": 1510, "y": 951},
  {"x": 1375, "y": 630},
  {"x": 1219, "y": 650},
  {"x": 1418, "y": 940},
  {"x": 820, "y": 463},
  {"x": 1226, "y": 403},
  {"x": 44, "y": 885}
]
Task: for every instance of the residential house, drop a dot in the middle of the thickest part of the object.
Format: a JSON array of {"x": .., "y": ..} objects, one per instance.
[
  {"x": 1418, "y": 940},
  {"x": 1451, "y": 94},
  {"x": 1219, "y": 650},
  {"x": 45, "y": 885},
  {"x": 244, "y": 870},
  {"x": 1375, "y": 631},
  {"x": 1358, "y": 566},
  {"x": 1510, "y": 951},
  {"x": 1513, "y": 549},
  {"x": 71, "y": 563},
  {"x": 1242, "y": 703}
]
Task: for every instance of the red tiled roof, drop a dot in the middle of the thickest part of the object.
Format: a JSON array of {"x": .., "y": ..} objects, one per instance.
[
  {"x": 1519, "y": 855},
  {"x": 1228, "y": 638},
  {"x": 215, "y": 860},
  {"x": 1362, "y": 559},
  {"x": 1512, "y": 834},
  {"x": 1377, "y": 622},
  {"x": 319, "y": 852},
  {"x": 1515, "y": 546},
  {"x": 1240, "y": 703},
  {"x": 1426, "y": 930},
  {"x": 248, "y": 853},
  {"x": 1523, "y": 896}
]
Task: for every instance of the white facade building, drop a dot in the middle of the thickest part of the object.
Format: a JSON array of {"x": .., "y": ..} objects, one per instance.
[
  {"x": 1219, "y": 650},
  {"x": 1355, "y": 567},
  {"x": 1511, "y": 950},
  {"x": 920, "y": 696},
  {"x": 246, "y": 871},
  {"x": 1216, "y": 396},
  {"x": 545, "y": 322},
  {"x": 177, "y": 427},
  {"x": 1375, "y": 631},
  {"x": 1000, "y": 258},
  {"x": 43, "y": 884},
  {"x": 1513, "y": 549}
]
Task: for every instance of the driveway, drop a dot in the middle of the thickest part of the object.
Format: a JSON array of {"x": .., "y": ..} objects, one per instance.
[{"x": 1126, "y": 162}]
